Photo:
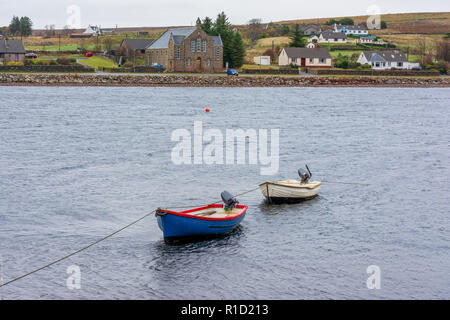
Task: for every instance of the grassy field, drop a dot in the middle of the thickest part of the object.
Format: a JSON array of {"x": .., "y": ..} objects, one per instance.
[
  {"x": 257, "y": 67},
  {"x": 96, "y": 62}
]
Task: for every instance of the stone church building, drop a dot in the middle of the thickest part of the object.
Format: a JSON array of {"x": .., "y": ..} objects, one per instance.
[{"x": 186, "y": 50}]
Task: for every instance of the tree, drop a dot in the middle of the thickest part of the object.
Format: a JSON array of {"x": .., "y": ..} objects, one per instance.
[
  {"x": 233, "y": 45},
  {"x": 285, "y": 30},
  {"x": 238, "y": 51},
  {"x": 207, "y": 25},
  {"x": 20, "y": 26},
  {"x": 222, "y": 27},
  {"x": 347, "y": 21},
  {"x": 14, "y": 26},
  {"x": 254, "y": 29},
  {"x": 25, "y": 26},
  {"x": 297, "y": 38},
  {"x": 383, "y": 24}
]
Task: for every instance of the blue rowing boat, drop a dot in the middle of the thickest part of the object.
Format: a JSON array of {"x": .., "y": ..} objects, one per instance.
[{"x": 207, "y": 221}]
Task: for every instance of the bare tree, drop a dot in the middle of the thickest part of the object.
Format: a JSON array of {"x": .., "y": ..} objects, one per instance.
[
  {"x": 254, "y": 29},
  {"x": 108, "y": 43},
  {"x": 421, "y": 48},
  {"x": 442, "y": 50}
]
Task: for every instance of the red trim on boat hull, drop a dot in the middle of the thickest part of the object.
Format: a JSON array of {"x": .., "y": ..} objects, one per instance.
[{"x": 187, "y": 215}]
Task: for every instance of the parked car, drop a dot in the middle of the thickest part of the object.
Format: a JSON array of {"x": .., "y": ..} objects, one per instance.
[
  {"x": 155, "y": 65},
  {"x": 232, "y": 72},
  {"x": 416, "y": 68},
  {"x": 31, "y": 55},
  {"x": 88, "y": 54}
]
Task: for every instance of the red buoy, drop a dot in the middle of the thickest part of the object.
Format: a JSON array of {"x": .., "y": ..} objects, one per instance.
[{"x": 207, "y": 109}]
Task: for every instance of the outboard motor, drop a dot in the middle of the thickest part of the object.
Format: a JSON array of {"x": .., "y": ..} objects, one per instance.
[
  {"x": 228, "y": 200},
  {"x": 305, "y": 176}
]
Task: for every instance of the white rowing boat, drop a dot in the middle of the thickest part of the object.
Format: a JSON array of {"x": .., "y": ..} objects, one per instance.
[{"x": 291, "y": 191}]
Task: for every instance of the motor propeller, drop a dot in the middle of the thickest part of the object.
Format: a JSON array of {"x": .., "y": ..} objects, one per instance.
[
  {"x": 229, "y": 201},
  {"x": 305, "y": 176}
]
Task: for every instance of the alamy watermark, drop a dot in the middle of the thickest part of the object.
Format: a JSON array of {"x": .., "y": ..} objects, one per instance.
[
  {"x": 74, "y": 19},
  {"x": 73, "y": 282},
  {"x": 374, "y": 19},
  {"x": 212, "y": 146},
  {"x": 374, "y": 280}
]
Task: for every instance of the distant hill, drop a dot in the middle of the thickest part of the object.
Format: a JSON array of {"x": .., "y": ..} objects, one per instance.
[{"x": 423, "y": 22}]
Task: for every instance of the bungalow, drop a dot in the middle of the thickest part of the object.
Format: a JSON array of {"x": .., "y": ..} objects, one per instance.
[
  {"x": 311, "y": 29},
  {"x": 332, "y": 37},
  {"x": 305, "y": 57},
  {"x": 368, "y": 39},
  {"x": 131, "y": 48},
  {"x": 11, "y": 51},
  {"x": 382, "y": 60},
  {"x": 93, "y": 31},
  {"x": 350, "y": 30}
]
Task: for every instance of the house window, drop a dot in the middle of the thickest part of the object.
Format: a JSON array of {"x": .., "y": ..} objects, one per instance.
[
  {"x": 311, "y": 60},
  {"x": 322, "y": 60},
  {"x": 293, "y": 60},
  {"x": 193, "y": 45},
  {"x": 209, "y": 62},
  {"x": 199, "y": 43},
  {"x": 178, "y": 53},
  {"x": 204, "y": 45},
  {"x": 335, "y": 39},
  {"x": 400, "y": 64},
  {"x": 217, "y": 53},
  {"x": 189, "y": 61}
]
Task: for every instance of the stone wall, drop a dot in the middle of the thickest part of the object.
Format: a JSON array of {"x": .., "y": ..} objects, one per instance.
[
  {"x": 270, "y": 71},
  {"x": 212, "y": 80},
  {"x": 414, "y": 73},
  {"x": 48, "y": 68},
  {"x": 145, "y": 69}
]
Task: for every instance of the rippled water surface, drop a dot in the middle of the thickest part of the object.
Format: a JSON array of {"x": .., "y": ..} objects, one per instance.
[{"x": 79, "y": 163}]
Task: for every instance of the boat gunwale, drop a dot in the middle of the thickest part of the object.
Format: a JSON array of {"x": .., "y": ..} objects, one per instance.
[
  {"x": 289, "y": 186},
  {"x": 187, "y": 215}
]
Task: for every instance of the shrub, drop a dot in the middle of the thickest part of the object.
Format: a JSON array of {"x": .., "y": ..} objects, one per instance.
[
  {"x": 13, "y": 63},
  {"x": 73, "y": 60},
  {"x": 128, "y": 64},
  {"x": 63, "y": 61}
]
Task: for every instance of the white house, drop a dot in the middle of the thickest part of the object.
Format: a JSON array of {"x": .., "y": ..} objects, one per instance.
[
  {"x": 311, "y": 29},
  {"x": 368, "y": 39},
  {"x": 384, "y": 60},
  {"x": 305, "y": 57},
  {"x": 332, "y": 37},
  {"x": 93, "y": 30},
  {"x": 351, "y": 30}
]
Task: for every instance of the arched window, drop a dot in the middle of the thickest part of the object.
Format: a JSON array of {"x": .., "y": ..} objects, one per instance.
[
  {"x": 199, "y": 43},
  {"x": 204, "y": 45}
]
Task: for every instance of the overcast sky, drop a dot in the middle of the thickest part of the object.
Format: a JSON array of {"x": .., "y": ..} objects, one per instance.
[{"x": 149, "y": 13}]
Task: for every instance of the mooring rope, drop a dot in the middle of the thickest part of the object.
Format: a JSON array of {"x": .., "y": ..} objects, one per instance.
[
  {"x": 102, "y": 239},
  {"x": 341, "y": 182},
  {"x": 78, "y": 251}
]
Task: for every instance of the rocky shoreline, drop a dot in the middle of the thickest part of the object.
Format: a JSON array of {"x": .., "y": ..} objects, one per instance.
[{"x": 18, "y": 79}]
